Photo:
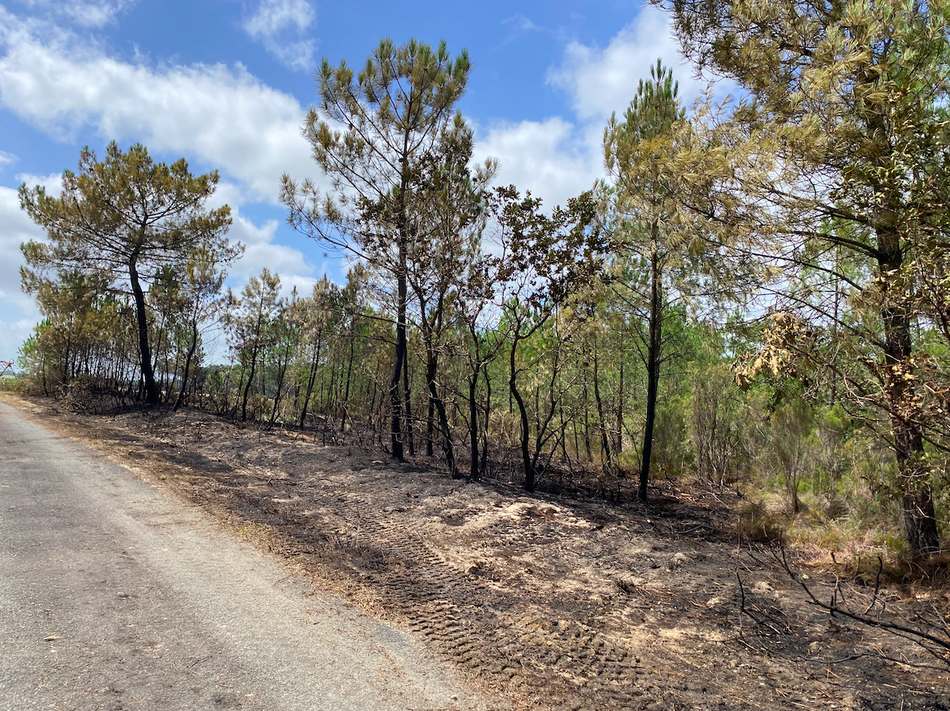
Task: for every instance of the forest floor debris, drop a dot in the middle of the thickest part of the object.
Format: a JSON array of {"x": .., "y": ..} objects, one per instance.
[{"x": 551, "y": 602}]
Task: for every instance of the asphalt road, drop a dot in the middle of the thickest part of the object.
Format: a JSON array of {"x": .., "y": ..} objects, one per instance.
[{"x": 114, "y": 596}]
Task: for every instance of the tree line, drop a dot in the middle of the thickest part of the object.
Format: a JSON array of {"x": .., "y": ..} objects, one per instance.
[{"x": 754, "y": 286}]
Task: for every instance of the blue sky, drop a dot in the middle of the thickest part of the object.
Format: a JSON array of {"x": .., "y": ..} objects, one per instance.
[{"x": 225, "y": 83}]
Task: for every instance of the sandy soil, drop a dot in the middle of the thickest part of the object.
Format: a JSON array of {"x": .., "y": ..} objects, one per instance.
[{"x": 551, "y": 602}]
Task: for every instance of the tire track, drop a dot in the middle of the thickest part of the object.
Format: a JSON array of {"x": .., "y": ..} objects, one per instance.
[
  {"x": 571, "y": 666},
  {"x": 457, "y": 615}
]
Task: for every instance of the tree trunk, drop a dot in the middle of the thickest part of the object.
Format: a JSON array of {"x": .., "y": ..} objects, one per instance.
[
  {"x": 184, "y": 378},
  {"x": 436, "y": 403},
  {"x": 346, "y": 393},
  {"x": 148, "y": 375},
  {"x": 311, "y": 377},
  {"x": 65, "y": 378},
  {"x": 484, "y": 463},
  {"x": 473, "y": 422},
  {"x": 653, "y": 367},
  {"x": 604, "y": 438},
  {"x": 331, "y": 400},
  {"x": 374, "y": 416},
  {"x": 430, "y": 423},
  {"x": 282, "y": 364},
  {"x": 920, "y": 520},
  {"x": 159, "y": 345},
  {"x": 563, "y": 437},
  {"x": 588, "y": 450},
  {"x": 409, "y": 437},
  {"x": 618, "y": 441},
  {"x": 247, "y": 387},
  {"x": 399, "y": 362},
  {"x": 395, "y": 398},
  {"x": 168, "y": 390},
  {"x": 43, "y": 371},
  {"x": 530, "y": 474}
]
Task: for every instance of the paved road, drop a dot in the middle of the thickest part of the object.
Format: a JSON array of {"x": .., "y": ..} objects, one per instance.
[{"x": 115, "y": 597}]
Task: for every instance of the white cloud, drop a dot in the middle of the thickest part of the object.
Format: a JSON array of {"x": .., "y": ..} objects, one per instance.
[
  {"x": 293, "y": 55},
  {"x": 94, "y": 14},
  {"x": 7, "y": 159},
  {"x": 18, "y": 312},
  {"x": 222, "y": 115},
  {"x": 601, "y": 81},
  {"x": 274, "y": 16},
  {"x": 280, "y": 26},
  {"x": 86, "y": 13},
  {"x": 227, "y": 193},
  {"x": 260, "y": 250},
  {"x": 550, "y": 158},
  {"x": 53, "y": 183},
  {"x": 520, "y": 23}
]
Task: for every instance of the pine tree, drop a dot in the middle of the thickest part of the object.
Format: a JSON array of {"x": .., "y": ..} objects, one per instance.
[
  {"x": 128, "y": 218},
  {"x": 645, "y": 228},
  {"x": 373, "y": 134}
]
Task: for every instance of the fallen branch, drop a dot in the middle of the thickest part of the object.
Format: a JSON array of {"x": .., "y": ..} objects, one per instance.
[{"x": 927, "y": 637}]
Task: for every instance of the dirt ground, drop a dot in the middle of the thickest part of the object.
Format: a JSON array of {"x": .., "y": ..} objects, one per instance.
[{"x": 549, "y": 602}]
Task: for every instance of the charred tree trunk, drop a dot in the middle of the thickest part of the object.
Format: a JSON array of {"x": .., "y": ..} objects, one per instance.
[
  {"x": 192, "y": 347},
  {"x": 430, "y": 427},
  {"x": 473, "y": 423},
  {"x": 588, "y": 450},
  {"x": 618, "y": 440},
  {"x": 530, "y": 474},
  {"x": 445, "y": 433},
  {"x": 311, "y": 377},
  {"x": 484, "y": 463},
  {"x": 282, "y": 364},
  {"x": 346, "y": 392},
  {"x": 247, "y": 387},
  {"x": 410, "y": 438},
  {"x": 653, "y": 366},
  {"x": 395, "y": 398},
  {"x": 148, "y": 375},
  {"x": 604, "y": 438}
]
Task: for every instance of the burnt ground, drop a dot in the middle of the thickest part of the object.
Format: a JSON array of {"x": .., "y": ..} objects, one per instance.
[{"x": 549, "y": 602}]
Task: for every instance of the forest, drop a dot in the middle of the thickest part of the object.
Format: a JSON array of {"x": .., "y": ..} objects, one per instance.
[{"x": 755, "y": 295}]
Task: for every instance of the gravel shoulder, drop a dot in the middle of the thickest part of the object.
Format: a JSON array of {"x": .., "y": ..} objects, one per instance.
[
  {"x": 548, "y": 602},
  {"x": 116, "y": 595}
]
